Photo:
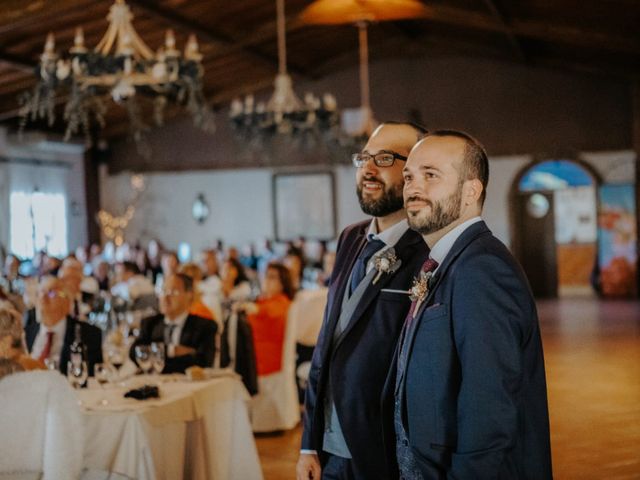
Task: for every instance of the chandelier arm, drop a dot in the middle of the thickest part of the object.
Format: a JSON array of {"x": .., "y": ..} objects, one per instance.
[
  {"x": 104, "y": 46},
  {"x": 282, "y": 40},
  {"x": 365, "y": 95},
  {"x": 138, "y": 44}
]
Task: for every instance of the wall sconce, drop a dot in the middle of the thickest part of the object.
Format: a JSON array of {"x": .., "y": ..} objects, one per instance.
[{"x": 200, "y": 209}]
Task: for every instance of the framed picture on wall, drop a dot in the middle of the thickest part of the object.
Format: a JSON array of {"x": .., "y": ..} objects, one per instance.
[{"x": 304, "y": 205}]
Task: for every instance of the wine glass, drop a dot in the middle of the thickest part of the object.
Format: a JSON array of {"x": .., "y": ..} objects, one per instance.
[
  {"x": 143, "y": 358},
  {"x": 157, "y": 357},
  {"x": 103, "y": 374},
  {"x": 77, "y": 373},
  {"x": 52, "y": 363},
  {"x": 115, "y": 357}
]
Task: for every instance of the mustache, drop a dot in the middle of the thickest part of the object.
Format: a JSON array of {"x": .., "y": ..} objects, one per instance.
[
  {"x": 414, "y": 198},
  {"x": 371, "y": 178}
]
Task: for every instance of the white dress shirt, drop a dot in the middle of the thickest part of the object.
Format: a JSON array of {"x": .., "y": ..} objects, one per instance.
[
  {"x": 179, "y": 322},
  {"x": 39, "y": 343},
  {"x": 443, "y": 246},
  {"x": 389, "y": 237}
]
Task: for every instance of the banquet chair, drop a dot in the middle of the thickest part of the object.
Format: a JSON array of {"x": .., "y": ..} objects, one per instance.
[
  {"x": 46, "y": 441},
  {"x": 276, "y": 407}
]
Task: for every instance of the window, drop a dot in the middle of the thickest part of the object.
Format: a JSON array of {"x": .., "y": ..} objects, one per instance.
[{"x": 38, "y": 222}]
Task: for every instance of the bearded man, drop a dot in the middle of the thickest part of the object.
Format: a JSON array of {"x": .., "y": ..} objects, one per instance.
[
  {"x": 375, "y": 259},
  {"x": 467, "y": 395}
]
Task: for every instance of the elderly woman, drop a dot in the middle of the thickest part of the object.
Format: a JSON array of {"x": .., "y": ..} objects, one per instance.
[
  {"x": 11, "y": 343},
  {"x": 268, "y": 317}
]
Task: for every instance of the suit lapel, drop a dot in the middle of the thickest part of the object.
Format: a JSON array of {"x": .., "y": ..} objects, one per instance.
[
  {"x": 341, "y": 284},
  {"x": 468, "y": 236},
  {"x": 404, "y": 249}
]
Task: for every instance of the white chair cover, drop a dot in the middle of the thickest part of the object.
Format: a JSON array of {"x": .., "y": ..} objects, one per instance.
[
  {"x": 276, "y": 407},
  {"x": 40, "y": 411},
  {"x": 307, "y": 312}
]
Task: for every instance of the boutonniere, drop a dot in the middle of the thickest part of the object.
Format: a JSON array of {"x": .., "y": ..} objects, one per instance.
[
  {"x": 420, "y": 288},
  {"x": 385, "y": 262}
]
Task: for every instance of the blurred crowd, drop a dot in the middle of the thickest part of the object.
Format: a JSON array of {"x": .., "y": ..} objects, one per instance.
[{"x": 121, "y": 295}]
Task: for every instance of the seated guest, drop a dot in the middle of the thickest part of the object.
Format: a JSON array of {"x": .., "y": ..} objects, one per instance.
[
  {"x": 198, "y": 308},
  {"x": 72, "y": 279},
  {"x": 130, "y": 283},
  {"x": 294, "y": 261},
  {"x": 211, "y": 286},
  {"x": 101, "y": 274},
  {"x": 53, "y": 331},
  {"x": 169, "y": 262},
  {"x": 11, "y": 344},
  {"x": 189, "y": 339},
  {"x": 268, "y": 317},
  {"x": 11, "y": 273},
  {"x": 235, "y": 283}
]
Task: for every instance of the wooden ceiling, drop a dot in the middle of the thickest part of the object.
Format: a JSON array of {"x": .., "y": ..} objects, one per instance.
[{"x": 238, "y": 39}]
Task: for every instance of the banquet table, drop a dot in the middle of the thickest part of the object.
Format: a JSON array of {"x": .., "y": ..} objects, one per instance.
[{"x": 196, "y": 430}]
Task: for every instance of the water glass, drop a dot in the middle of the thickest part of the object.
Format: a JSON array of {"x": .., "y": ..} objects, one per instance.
[
  {"x": 143, "y": 358},
  {"x": 77, "y": 373},
  {"x": 157, "y": 357},
  {"x": 52, "y": 363}
]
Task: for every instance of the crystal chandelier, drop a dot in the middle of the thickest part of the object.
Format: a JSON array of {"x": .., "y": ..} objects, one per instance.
[
  {"x": 284, "y": 113},
  {"x": 121, "y": 67}
]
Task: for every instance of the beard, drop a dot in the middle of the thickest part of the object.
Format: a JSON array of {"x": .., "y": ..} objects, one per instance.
[
  {"x": 390, "y": 201},
  {"x": 443, "y": 213}
]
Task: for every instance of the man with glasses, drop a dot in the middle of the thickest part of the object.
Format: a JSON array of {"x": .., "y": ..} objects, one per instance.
[
  {"x": 50, "y": 336},
  {"x": 189, "y": 340},
  {"x": 375, "y": 261}
]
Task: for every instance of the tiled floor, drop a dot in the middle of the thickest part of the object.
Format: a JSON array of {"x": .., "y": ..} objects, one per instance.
[{"x": 592, "y": 354}]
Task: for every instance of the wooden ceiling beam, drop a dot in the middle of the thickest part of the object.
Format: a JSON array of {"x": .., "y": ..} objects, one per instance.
[
  {"x": 207, "y": 33},
  {"x": 501, "y": 18},
  {"x": 541, "y": 30},
  {"x": 18, "y": 62}
]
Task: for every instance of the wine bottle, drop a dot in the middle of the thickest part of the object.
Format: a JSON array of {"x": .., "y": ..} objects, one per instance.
[{"x": 78, "y": 349}]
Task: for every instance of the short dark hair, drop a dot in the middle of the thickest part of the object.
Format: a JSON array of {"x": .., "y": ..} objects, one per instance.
[
  {"x": 420, "y": 130},
  {"x": 131, "y": 267},
  {"x": 187, "y": 281},
  {"x": 475, "y": 163}
]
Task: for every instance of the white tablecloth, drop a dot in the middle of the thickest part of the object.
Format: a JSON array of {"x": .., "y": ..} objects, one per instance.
[{"x": 196, "y": 430}]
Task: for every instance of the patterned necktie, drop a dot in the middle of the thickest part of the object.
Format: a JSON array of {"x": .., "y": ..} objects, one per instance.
[
  {"x": 428, "y": 266},
  {"x": 360, "y": 267},
  {"x": 47, "y": 347}
]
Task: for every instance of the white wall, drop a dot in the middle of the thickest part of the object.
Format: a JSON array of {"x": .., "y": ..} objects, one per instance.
[
  {"x": 241, "y": 208},
  {"x": 68, "y": 178}
]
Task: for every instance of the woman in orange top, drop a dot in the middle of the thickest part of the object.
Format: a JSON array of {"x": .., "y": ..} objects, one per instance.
[{"x": 268, "y": 318}]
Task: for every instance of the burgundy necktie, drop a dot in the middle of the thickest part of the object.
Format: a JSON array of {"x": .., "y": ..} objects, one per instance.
[
  {"x": 47, "y": 347},
  {"x": 428, "y": 266}
]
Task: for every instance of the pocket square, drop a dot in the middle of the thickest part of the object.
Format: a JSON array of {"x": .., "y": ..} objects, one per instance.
[{"x": 391, "y": 290}]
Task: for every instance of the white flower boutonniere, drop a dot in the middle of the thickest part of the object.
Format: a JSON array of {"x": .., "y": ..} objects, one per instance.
[
  {"x": 420, "y": 289},
  {"x": 385, "y": 262}
]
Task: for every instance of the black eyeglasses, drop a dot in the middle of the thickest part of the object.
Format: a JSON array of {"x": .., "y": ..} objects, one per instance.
[{"x": 382, "y": 159}]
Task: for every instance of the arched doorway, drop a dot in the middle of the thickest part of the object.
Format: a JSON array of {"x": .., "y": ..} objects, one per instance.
[{"x": 554, "y": 216}]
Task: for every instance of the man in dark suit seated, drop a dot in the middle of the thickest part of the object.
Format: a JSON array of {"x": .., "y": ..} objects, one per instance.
[
  {"x": 189, "y": 340},
  {"x": 467, "y": 399},
  {"x": 51, "y": 330}
]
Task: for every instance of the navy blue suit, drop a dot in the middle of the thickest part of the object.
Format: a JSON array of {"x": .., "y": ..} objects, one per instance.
[
  {"x": 473, "y": 398},
  {"x": 358, "y": 363}
]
